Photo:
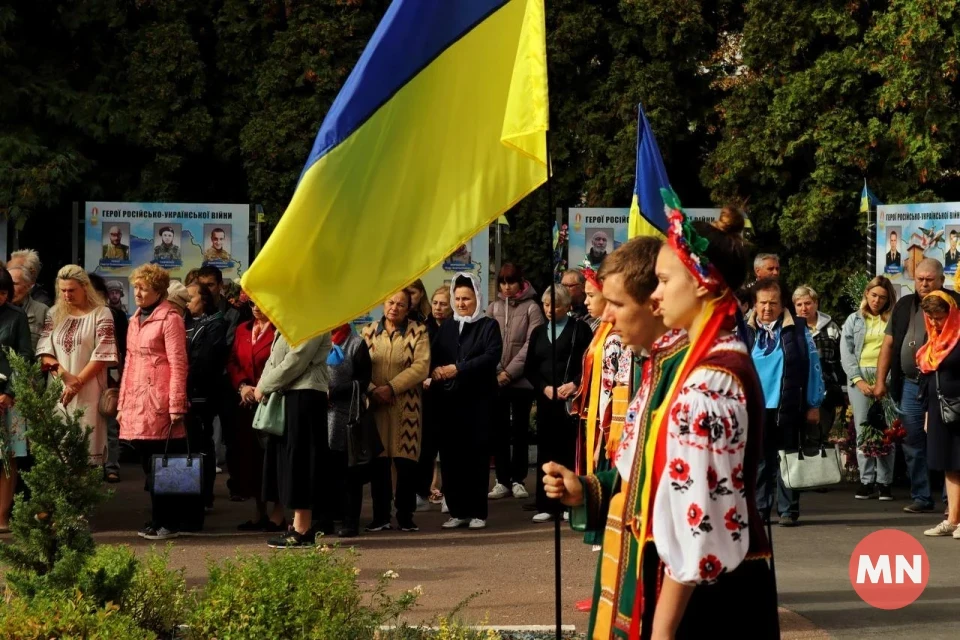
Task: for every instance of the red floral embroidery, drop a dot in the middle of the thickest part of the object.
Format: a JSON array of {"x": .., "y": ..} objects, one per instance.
[
  {"x": 710, "y": 568},
  {"x": 736, "y": 478},
  {"x": 734, "y": 523},
  {"x": 679, "y": 470},
  {"x": 711, "y": 478},
  {"x": 694, "y": 514}
]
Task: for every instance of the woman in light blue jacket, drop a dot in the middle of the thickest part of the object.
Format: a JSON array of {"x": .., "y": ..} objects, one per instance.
[{"x": 860, "y": 343}]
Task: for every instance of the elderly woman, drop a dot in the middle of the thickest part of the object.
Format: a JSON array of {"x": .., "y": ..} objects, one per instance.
[
  {"x": 29, "y": 259},
  {"x": 862, "y": 337},
  {"x": 556, "y": 428},
  {"x": 207, "y": 352},
  {"x": 298, "y": 469},
  {"x": 37, "y": 312},
  {"x": 517, "y": 314},
  {"x": 939, "y": 364},
  {"x": 245, "y": 364},
  {"x": 153, "y": 395},
  {"x": 15, "y": 335},
  {"x": 78, "y": 344},
  {"x": 427, "y": 474},
  {"x": 464, "y": 380},
  {"x": 400, "y": 352},
  {"x": 826, "y": 337},
  {"x": 350, "y": 370}
]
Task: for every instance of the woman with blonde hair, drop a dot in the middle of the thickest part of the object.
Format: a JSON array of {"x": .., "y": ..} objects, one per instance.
[
  {"x": 77, "y": 345},
  {"x": 153, "y": 395},
  {"x": 826, "y": 337},
  {"x": 860, "y": 343}
]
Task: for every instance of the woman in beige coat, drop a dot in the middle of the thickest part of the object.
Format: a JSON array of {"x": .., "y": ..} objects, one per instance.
[{"x": 400, "y": 352}]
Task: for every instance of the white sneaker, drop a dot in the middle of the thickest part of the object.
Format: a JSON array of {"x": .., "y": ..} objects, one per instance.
[
  {"x": 520, "y": 491},
  {"x": 543, "y": 517},
  {"x": 477, "y": 523},
  {"x": 443, "y": 507},
  {"x": 499, "y": 491},
  {"x": 422, "y": 505},
  {"x": 942, "y": 529},
  {"x": 454, "y": 523}
]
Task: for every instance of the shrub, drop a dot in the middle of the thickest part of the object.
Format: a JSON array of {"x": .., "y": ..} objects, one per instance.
[
  {"x": 157, "y": 597},
  {"x": 107, "y": 576},
  {"x": 51, "y": 530},
  {"x": 45, "y": 617},
  {"x": 310, "y": 595}
]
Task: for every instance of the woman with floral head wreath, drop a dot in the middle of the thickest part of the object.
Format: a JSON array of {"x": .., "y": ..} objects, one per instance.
[
  {"x": 607, "y": 366},
  {"x": 704, "y": 551},
  {"x": 939, "y": 364}
]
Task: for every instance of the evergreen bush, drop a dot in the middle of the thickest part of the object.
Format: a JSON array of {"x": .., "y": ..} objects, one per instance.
[{"x": 51, "y": 529}]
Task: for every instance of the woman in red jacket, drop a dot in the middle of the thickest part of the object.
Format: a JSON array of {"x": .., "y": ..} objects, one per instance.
[{"x": 248, "y": 356}]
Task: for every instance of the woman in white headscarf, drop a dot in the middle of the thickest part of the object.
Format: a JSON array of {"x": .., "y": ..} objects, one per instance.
[{"x": 465, "y": 355}]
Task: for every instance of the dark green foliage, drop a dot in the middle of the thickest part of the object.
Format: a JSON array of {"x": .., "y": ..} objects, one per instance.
[
  {"x": 784, "y": 106},
  {"x": 51, "y": 530}
]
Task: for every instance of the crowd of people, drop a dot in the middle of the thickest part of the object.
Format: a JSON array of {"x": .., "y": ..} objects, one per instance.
[{"x": 378, "y": 405}]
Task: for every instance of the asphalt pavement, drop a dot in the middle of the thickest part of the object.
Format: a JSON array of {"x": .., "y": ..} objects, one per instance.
[{"x": 505, "y": 574}]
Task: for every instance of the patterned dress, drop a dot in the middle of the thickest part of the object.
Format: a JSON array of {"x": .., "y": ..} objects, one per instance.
[
  {"x": 703, "y": 528},
  {"x": 76, "y": 342}
]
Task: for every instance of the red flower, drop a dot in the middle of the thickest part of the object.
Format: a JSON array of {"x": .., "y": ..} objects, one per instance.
[
  {"x": 694, "y": 514},
  {"x": 737, "y": 477},
  {"x": 710, "y": 567},
  {"x": 732, "y": 520},
  {"x": 679, "y": 470},
  {"x": 711, "y": 478},
  {"x": 701, "y": 425}
]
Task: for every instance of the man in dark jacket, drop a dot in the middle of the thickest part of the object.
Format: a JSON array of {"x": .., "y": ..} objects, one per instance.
[
  {"x": 906, "y": 333},
  {"x": 789, "y": 370}
]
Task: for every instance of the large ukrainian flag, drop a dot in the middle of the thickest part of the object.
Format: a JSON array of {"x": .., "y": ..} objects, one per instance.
[{"x": 440, "y": 128}]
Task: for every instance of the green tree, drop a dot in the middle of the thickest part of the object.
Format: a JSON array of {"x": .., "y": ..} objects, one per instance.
[
  {"x": 51, "y": 529},
  {"x": 604, "y": 58},
  {"x": 828, "y": 94}
]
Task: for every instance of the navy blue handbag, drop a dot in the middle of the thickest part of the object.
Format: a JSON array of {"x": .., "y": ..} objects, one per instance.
[{"x": 176, "y": 474}]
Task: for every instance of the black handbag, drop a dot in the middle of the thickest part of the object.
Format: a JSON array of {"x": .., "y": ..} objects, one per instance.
[
  {"x": 176, "y": 474},
  {"x": 949, "y": 407},
  {"x": 568, "y": 403},
  {"x": 363, "y": 438}
]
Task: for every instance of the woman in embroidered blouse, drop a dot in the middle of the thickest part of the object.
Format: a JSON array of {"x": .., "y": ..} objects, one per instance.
[
  {"x": 608, "y": 361},
  {"x": 706, "y": 550},
  {"x": 862, "y": 337},
  {"x": 78, "y": 344}
]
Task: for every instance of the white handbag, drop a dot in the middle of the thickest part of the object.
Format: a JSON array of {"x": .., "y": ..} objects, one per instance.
[{"x": 803, "y": 471}]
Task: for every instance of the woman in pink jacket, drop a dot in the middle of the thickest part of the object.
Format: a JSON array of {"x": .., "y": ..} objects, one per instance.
[{"x": 153, "y": 395}]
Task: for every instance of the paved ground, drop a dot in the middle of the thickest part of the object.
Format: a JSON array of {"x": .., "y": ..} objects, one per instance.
[{"x": 511, "y": 563}]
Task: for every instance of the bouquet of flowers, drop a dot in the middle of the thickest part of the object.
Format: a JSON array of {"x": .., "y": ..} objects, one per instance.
[
  {"x": 895, "y": 432},
  {"x": 872, "y": 442}
]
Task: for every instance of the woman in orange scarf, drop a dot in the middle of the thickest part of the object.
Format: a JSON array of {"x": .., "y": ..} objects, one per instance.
[
  {"x": 939, "y": 362},
  {"x": 606, "y": 379}
]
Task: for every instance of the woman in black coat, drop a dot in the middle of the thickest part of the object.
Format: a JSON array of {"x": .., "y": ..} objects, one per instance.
[
  {"x": 464, "y": 359},
  {"x": 556, "y": 428},
  {"x": 207, "y": 352}
]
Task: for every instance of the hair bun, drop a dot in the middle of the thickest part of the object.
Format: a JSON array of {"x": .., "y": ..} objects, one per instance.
[{"x": 731, "y": 221}]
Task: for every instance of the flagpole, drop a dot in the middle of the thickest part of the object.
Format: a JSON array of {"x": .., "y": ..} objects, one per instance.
[{"x": 556, "y": 400}]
